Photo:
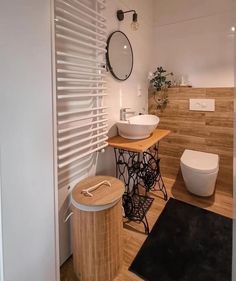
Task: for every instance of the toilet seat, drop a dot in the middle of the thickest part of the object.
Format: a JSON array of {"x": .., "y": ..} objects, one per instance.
[{"x": 200, "y": 162}]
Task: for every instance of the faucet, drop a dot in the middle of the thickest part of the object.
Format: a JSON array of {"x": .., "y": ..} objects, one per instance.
[{"x": 123, "y": 113}]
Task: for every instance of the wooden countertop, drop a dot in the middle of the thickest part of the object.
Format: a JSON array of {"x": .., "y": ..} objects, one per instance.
[{"x": 138, "y": 145}]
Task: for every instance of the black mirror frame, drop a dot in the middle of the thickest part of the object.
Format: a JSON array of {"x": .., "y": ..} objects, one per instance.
[{"x": 107, "y": 56}]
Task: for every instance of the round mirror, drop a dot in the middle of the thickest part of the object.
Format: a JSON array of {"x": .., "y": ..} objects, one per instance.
[{"x": 119, "y": 55}]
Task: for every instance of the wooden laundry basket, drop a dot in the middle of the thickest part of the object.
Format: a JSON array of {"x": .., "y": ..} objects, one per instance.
[{"x": 97, "y": 229}]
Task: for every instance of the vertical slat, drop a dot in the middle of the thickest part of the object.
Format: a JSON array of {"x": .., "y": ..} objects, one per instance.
[{"x": 80, "y": 37}]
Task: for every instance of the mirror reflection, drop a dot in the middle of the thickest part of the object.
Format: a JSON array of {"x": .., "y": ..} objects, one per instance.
[{"x": 119, "y": 55}]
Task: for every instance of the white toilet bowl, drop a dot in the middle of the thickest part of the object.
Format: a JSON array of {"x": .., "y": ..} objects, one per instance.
[{"x": 199, "y": 170}]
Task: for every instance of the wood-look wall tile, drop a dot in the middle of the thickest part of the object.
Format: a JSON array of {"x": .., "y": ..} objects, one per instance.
[
  {"x": 221, "y": 93},
  {"x": 224, "y": 106},
  {"x": 185, "y": 93},
  {"x": 171, "y": 150},
  {"x": 219, "y": 121},
  {"x": 204, "y": 131},
  {"x": 194, "y": 131}
]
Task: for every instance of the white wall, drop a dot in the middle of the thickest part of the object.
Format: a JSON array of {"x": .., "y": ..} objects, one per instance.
[
  {"x": 26, "y": 141},
  {"x": 194, "y": 38},
  {"x": 125, "y": 94}
]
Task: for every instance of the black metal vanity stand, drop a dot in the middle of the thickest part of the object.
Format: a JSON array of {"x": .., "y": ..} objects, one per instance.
[{"x": 139, "y": 169}]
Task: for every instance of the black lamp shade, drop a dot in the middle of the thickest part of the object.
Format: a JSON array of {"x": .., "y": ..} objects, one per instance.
[
  {"x": 120, "y": 15},
  {"x": 135, "y": 17}
]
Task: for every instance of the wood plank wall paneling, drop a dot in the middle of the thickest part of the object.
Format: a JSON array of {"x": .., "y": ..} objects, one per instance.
[{"x": 204, "y": 131}]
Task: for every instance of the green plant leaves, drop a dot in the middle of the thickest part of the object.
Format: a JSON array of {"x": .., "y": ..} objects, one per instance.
[{"x": 159, "y": 81}]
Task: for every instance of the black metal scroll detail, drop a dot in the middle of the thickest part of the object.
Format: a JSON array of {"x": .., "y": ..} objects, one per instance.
[
  {"x": 141, "y": 205},
  {"x": 150, "y": 172},
  {"x": 139, "y": 169},
  {"x": 127, "y": 167}
]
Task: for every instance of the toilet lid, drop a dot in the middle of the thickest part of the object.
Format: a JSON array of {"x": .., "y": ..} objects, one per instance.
[{"x": 200, "y": 161}]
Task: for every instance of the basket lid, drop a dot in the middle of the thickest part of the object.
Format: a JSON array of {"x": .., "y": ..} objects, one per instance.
[{"x": 102, "y": 195}]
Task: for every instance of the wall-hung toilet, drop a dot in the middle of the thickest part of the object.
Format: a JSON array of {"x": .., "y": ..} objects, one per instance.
[{"x": 199, "y": 170}]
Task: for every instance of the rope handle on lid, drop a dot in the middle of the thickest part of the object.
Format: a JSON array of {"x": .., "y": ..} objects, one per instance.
[
  {"x": 87, "y": 191},
  {"x": 68, "y": 216}
]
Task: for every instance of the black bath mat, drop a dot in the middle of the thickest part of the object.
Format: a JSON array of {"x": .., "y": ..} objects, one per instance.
[{"x": 187, "y": 243}]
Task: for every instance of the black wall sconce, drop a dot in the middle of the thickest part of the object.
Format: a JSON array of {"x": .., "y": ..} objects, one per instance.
[{"x": 121, "y": 14}]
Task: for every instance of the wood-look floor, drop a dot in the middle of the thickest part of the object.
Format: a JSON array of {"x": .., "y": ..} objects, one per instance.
[{"x": 133, "y": 233}]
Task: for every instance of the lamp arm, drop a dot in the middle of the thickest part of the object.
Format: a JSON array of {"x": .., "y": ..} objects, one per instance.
[{"x": 129, "y": 11}]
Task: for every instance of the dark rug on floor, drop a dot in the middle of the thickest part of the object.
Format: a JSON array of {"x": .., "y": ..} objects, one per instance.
[{"x": 187, "y": 243}]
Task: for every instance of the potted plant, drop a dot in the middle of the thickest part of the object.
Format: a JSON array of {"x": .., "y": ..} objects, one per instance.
[{"x": 159, "y": 82}]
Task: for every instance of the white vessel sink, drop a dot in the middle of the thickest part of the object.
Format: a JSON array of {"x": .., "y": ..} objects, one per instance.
[{"x": 138, "y": 127}]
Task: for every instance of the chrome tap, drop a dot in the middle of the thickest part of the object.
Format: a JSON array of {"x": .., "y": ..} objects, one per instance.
[{"x": 123, "y": 113}]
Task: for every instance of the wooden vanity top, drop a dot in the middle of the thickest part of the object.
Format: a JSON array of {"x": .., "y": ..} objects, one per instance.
[{"x": 138, "y": 145}]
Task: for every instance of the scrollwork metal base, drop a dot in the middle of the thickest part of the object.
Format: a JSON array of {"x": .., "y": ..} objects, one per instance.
[
  {"x": 139, "y": 169},
  {"x": 136, "y": 207}
]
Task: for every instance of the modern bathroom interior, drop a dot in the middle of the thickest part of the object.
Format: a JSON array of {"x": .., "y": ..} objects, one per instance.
[{"x": 117, "y": 140}]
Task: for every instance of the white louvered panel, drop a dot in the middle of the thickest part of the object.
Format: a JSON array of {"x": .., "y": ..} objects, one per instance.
[
  {"x": 80, "y": 36},
  {"x": 79, "y": 134},
  {"x": 80, "y": 73},
  {"x": 72, "y": 128},
  {"x": 68, "y": 121}
]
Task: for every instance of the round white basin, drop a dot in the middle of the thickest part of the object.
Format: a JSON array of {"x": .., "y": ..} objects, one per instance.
[{"x": 138, "y": 127}]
